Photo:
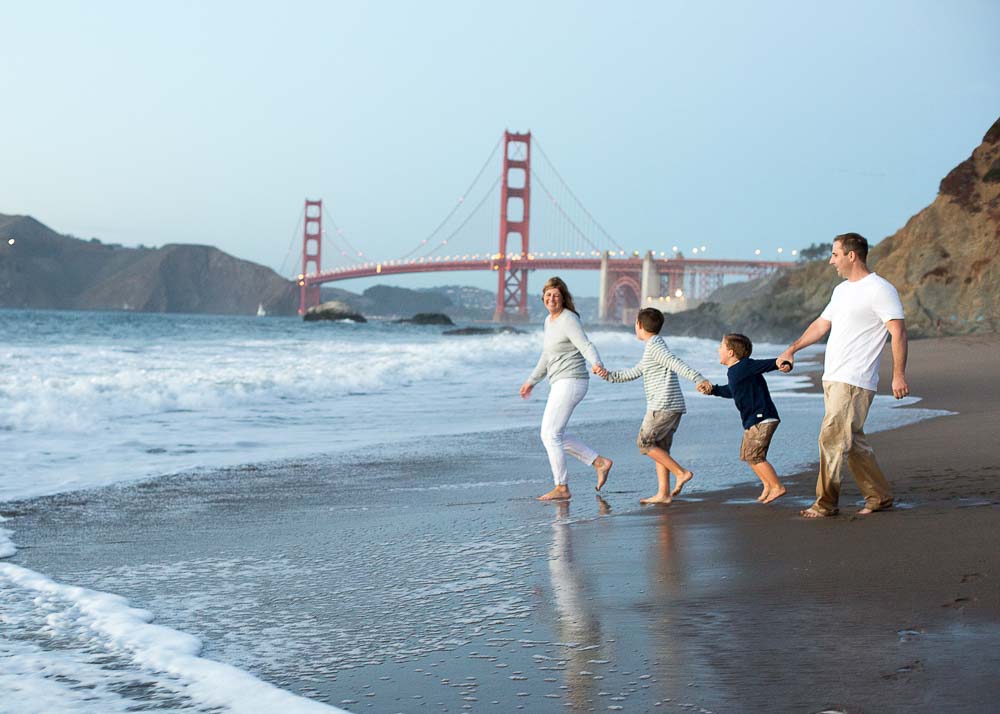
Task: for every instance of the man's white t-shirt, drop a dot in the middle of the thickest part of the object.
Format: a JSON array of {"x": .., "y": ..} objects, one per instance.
[{"x": 858, "y": 312}]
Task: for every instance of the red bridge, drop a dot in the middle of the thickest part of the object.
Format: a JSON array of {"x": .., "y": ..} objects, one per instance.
[{"x": 576, "y": 242}]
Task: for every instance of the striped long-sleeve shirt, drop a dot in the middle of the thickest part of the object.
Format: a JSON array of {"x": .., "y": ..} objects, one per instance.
[{"x": 659, "y": 368}]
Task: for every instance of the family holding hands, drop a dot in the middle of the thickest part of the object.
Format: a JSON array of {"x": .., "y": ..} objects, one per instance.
[{"x": 863, "y": 310}]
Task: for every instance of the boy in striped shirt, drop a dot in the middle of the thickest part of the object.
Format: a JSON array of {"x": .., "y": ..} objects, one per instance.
[{"x": 658, "y": 368}]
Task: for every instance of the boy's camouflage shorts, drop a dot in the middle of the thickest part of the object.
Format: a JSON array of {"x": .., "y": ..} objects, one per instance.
[
  {"x": 658, "y": 429},
  {"x": 756, "y": 441}
]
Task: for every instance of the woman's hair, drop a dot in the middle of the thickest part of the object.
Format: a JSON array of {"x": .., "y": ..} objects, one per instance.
[{"x": 557, "y": 282}]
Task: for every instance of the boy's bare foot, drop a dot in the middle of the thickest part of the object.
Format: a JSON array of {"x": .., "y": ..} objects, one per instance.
[
  {"x": 774, "y": 494},
  {"x": 559, "y": 493},
  {"x": 763, "y": 494},
  {"x": 681, "y": 480},
  {"x": 662, "y": 500},
  {"x": 603, "y": 468},
  {"x": 813, "y": 513}
]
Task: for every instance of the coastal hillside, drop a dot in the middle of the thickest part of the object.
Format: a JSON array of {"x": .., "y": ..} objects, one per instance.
[
  {"x": 461, "y": 303},
  {"x": 944, "y": 263},
  {"x": 45, "y": 270}
]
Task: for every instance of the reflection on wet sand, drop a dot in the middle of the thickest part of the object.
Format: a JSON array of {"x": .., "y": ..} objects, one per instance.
[
  {"x": 577, "y": 623},
  {"x": 667, "y": 567},
  {"x": 684, "y": 633}
]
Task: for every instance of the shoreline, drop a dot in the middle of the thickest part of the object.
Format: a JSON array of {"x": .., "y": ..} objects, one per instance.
[{"x": 484, "y": 598}]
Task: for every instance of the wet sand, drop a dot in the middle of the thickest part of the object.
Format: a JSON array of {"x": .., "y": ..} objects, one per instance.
[{"x": 353, "y": 582}]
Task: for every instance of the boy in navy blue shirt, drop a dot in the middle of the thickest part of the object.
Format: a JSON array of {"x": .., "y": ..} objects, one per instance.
[{"x": 760, "y": 417}]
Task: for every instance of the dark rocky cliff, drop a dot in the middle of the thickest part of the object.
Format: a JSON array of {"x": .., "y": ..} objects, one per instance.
[
  {"x": 43, "y": 269},
  {"x": 944, "y": 262}
]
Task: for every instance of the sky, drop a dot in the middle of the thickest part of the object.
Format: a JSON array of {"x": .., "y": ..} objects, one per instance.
[{"x": 734, "y": 125}]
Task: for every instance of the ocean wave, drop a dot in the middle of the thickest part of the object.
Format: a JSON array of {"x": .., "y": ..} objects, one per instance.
[
  {"x": 70, "y": 647},
  {"x": 83, "y": 389}
]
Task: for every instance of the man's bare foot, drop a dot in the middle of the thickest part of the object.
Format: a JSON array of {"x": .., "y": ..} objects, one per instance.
[
  {"x": 603, "y": 468},
  {"x": 763, "y": 494},
  {"x": 868, "y": 510},
  {"x": 813, "y": 513},
  {"x": 774, "y": 494},
  {"x": 681, "y": 480},
  {"x": 662, "y": 500},
  {"x": 559, "y": 493}
]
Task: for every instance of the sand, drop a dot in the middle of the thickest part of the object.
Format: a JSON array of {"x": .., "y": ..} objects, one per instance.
[{"x": 461, "y": 599}]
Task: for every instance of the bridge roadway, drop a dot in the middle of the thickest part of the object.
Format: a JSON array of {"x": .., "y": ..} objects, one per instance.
[{"x": 430, "y": 265}]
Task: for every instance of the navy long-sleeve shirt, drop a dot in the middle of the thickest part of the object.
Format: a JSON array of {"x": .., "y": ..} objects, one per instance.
[{"x": 749, "y": 390}]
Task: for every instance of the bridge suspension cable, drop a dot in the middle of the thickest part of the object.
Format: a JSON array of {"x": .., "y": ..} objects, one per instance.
[
  {"x": 578, "y": 202},
  {"x": 342, "y": 236},
  {"x": 490, "y": 193},
  {"x": 457, "y": 206},
  {"x": 296, "y": 240}
]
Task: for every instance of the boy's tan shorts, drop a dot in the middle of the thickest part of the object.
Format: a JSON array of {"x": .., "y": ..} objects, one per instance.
[
  {"x": 756, "y": 441},
  {"x": 658, "y": 430}
]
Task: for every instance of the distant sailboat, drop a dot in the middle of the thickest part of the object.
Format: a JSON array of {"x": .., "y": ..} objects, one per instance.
[{"x": 261, "y": 312}]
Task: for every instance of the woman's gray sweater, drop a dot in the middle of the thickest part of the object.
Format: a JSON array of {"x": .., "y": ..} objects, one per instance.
[{"x": 563, "y": 350}]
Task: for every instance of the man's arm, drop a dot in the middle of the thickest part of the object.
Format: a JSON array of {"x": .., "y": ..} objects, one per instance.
[
  {"x": 813, "y": 334},
  {"x": 897, "y": 330}
]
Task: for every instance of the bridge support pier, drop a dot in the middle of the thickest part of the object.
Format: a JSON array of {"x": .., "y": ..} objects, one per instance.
[
  {"x": 649, "y": 280},
  {"x": 602, "y": 290}
]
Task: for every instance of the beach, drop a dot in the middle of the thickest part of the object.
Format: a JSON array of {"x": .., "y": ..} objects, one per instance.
[{"x": 431, "y": 580}]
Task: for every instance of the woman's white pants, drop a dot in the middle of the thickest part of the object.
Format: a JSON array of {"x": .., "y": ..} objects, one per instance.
[{"x": 564, "y": 395}]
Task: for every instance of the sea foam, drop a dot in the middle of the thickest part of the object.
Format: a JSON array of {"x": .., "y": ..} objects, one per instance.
[{"x": 90, "y": 651}]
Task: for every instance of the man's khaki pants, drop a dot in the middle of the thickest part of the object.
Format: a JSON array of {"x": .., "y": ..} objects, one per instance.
[{"x": 842, "y": 434}]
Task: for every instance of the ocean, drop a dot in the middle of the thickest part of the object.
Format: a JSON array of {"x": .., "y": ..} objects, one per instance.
[{"x": 149, "y": 458}]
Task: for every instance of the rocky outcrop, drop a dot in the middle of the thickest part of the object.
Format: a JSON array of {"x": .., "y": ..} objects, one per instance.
[
  {"x": 428, "y": 318},
  {"x": 944, "y": 262},
  {"x": 502, "y": 330},
  {"x": 43, "y": 269},
  {"x": 333, "y": 310}
]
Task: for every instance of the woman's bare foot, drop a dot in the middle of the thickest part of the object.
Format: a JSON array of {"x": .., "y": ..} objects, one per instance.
[
  {"x": 603, "y": 467},
  {"x": 763, "y": 494},
  {"x": 663, "y": 500},
  {"x": 774, "y": 493},
  {"x": 559, "y": 493},
  {"x": 681, "y": 480}
]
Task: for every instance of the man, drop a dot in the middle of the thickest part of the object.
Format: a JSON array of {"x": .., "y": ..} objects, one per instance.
[{"x": 862, "y": 311}]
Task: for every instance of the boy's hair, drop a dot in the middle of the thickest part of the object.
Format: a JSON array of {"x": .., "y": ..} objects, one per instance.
[
  {"x": 558, "y": 283},
  {"x": 650, "y": 319},
  {"x": 739, "y": 344},
  {"x": 856, "y": 242}
]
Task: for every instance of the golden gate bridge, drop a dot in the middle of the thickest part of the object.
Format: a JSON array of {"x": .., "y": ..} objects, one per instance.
[{"x": 571, "y": 237}]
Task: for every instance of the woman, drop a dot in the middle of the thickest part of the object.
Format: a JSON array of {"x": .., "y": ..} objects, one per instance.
[{"x": 564, "y": 348}]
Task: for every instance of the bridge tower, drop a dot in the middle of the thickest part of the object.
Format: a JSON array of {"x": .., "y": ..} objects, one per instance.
[
  {"x": 515, "y": 213},
  {"x": 312, "y": 246}
]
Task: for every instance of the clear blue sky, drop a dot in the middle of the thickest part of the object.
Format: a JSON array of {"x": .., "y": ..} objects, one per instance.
[{"x": 736, "y": 124}]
